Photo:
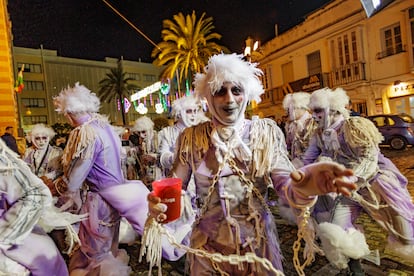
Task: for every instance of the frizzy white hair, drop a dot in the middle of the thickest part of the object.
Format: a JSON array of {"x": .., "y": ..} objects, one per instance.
[
  {"x": 229, "y": 68},
  {"x": 143, "y": 123},
  {"x": 41, "y": 129},
  {"x": 77, "y": 99},
  {"x": 296, "y": 100},
  {"x": 183, "y": 103},
  {"x": 334, "y": 100}
]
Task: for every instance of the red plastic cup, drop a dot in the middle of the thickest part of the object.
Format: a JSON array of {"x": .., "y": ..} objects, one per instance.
[{"x": 169, "y": 190}]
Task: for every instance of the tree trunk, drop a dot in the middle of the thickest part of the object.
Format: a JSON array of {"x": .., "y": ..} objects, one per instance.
[{"x": 123, "y": 112}]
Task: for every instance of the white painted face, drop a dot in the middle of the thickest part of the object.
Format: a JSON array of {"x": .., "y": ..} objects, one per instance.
[
  {"x": 190, "y": 116},
  {"x": 320, "y": 117},
  {"x": 40, "y": 141},
  {"x": 143, "y": 134},
  {"x": 229, "y": 103}
]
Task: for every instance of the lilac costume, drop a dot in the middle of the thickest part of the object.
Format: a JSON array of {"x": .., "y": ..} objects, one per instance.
[
  {"x": 382, "y": 191},
  {"x": 234, "y": 217},
  {"x": 92, "y": 167},
  {"x": 23, "y": 198}
]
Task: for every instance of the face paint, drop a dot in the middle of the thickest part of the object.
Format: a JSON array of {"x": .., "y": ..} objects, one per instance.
[
  {"x": 40, "y": 141},
  {"x": 229, "y": 103},
  {"x": 143, "y": 134},
  {"x": 190, "y": 116}
]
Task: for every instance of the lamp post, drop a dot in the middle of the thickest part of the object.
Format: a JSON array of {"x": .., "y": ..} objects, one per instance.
[{"x": 251, "y": 48}]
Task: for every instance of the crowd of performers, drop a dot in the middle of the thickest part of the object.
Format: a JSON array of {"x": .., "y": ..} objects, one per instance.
[{"x": 64, "y": 212}]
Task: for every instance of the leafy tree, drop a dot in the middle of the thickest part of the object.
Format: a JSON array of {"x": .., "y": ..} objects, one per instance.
[
  {"x": 187, "y": 45},
  {"x": 116, "y": 86}
]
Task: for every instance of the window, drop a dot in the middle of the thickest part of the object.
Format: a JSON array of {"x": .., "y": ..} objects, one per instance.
[
  {"x": 347, "y": 47},
  {"x": 391, "y": 41},
  {"x": 265, "y": 78},
  {"x": 149, "y": 78},
  {"x": 31, "y": 120},
  {"x": 135, "y": 76},
  {"x": 33, "y": 102},
  {"x": 314, "y": 63},
  {"x": 33, "y": 85},
  {"x": 31, "y": 68},
  {"x": 287, "y": 72},
  {"x": 347, "y": 57}
]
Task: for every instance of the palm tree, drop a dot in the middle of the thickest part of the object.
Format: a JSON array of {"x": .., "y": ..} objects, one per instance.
[
  {"x": 187, "y": 45},
  {"x": 116, "y": 86}
]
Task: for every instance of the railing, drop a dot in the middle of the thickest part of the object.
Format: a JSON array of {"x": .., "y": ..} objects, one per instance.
[
  {"x": 391, "y": 51},
  {"x": 348, "y": 73}
]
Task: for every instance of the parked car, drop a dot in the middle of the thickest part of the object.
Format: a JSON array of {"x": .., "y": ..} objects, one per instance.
[{"x": 397, "y": 129}]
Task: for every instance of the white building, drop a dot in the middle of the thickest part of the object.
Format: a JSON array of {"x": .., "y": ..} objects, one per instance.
[{"x": 339, "y": 46}]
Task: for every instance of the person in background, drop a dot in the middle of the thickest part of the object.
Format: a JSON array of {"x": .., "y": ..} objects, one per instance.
[
  {"x": 234, "y": 160},
  {"x": 352, "y": 112},
  {"x": 24, "y": 247},
  {"x": 10, "y": 140},
  {"x": 43, "y": 159},
  {"x": 143, "y": 154},
  {"x": 382, "y": 192},
  {"x": 301, "y": 125},
  {"x": 187, "y": 111}
]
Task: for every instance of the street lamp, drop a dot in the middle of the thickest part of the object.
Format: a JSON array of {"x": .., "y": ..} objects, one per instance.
[{"x": 251, "y": 47}]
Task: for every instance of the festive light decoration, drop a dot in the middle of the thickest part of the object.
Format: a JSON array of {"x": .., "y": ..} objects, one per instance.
[
  {"x": 18, "y": 87},
  {"x": 127, "y": 105},
  {"x": 159, "y": 108},
  {"x": 141, "y": 109},
  {"x": 165, "y": 87}
]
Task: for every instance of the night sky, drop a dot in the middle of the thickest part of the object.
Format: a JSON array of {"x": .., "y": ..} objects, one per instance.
[{"x": 89, "y": 29}]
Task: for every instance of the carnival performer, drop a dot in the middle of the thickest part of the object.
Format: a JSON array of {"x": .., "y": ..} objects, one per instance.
[
  {"x": 187, "y": 111},
  {"x": 25, "y": 248},
  {"x": 95, "y": 184},
  {"x": 301, "y": 125},
  {"x": 43, "y": 159},
  {"x": 382, "y": 192},
  {"x": 143, "y": 154},
  {"x": 233, "y": 160}
]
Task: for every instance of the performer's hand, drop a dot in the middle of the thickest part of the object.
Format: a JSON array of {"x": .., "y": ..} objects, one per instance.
[
  {"x": 156, "y": 208},
  {"x": 49, "y": 183},
  {"x": 322, "y": 178}
]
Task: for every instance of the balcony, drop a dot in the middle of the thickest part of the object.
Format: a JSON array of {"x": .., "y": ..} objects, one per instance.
[
  {"x": 391, "y": 51},
  {"x": 347, "y": 74}
]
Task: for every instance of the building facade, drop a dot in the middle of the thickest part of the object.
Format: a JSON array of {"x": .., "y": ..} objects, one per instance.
[
  {"x": 46, "y": 74},
  {"x": 339, "y": 46},
  {"x": 8, "y": 106}
]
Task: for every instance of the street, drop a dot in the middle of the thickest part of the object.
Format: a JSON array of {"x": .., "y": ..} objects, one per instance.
[{"x": 376, "y": 238}]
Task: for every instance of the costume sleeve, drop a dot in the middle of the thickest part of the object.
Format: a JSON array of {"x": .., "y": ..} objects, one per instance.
[
  {"x": 26, "y": 196},
  {"x": 313, "y": 151},
  {"x": 80, "y": 168},
  {"x": 165, "y": 150}
]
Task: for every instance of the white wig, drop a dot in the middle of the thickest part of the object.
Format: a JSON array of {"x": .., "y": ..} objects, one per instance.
[
  {"x": 77, "y": 99},
  {"x": 41, "y": 129},
  {"x": 183, "y": 103},
  {"x": 232, "y": 68},
  {"x": 320, "y": 98},
  {"x": 296, "y": 100},
  {"x": 338, "y": 101},
  {"x": 143, "y": 123}
]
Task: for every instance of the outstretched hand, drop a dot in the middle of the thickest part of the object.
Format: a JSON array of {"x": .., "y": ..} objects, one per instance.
[
  {"x": 322, "y": 178},
  {"x": 156, "y": 208}
]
